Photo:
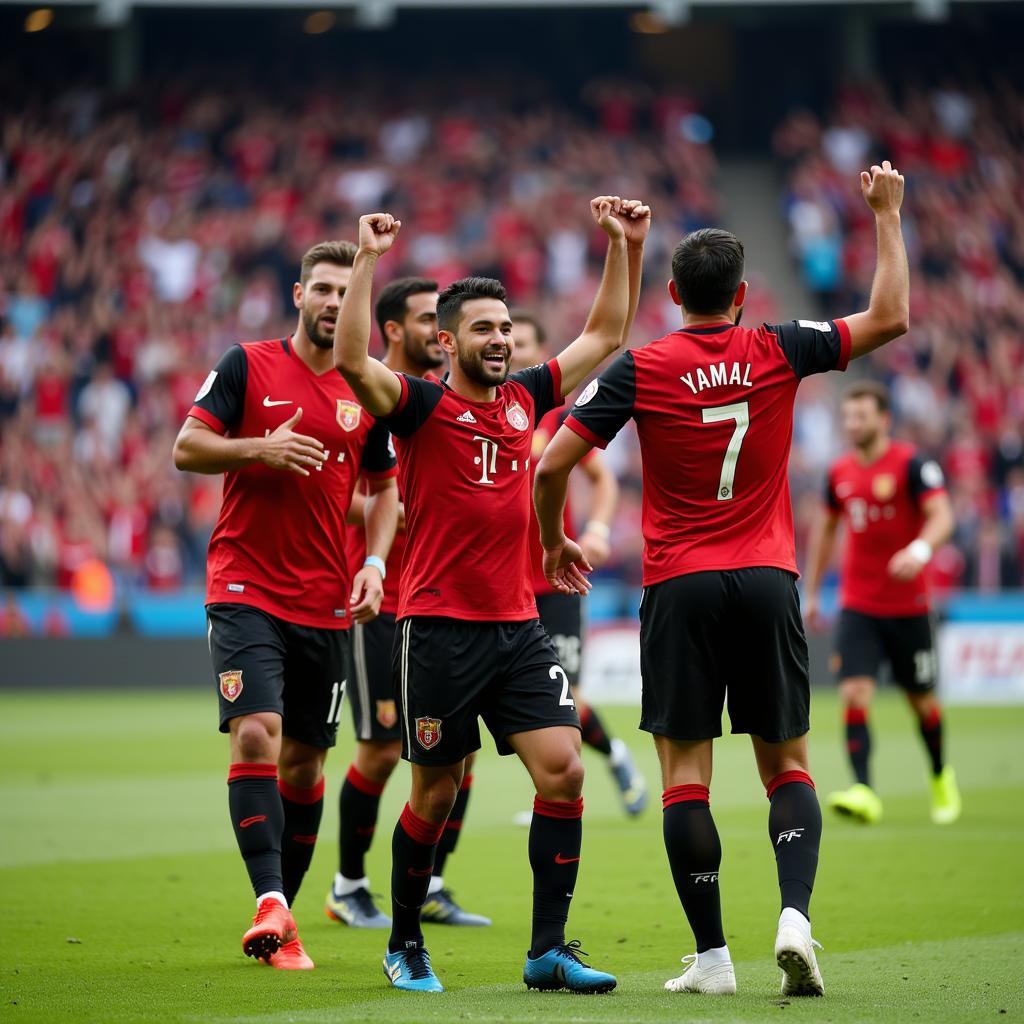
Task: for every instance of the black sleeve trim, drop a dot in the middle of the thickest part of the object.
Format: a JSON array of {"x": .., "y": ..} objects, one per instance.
[
  {"x": 810, "y": 346},
  {"x": 422, "y": 397}
]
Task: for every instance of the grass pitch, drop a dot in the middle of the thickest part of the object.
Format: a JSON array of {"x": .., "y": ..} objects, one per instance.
[{"x": 124, "y": 897}]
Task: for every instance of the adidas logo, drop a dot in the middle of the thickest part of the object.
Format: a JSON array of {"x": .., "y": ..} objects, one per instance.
[{"x": 466, "y": 417}]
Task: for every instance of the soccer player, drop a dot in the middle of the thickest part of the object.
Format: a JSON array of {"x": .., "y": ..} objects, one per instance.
[
  {"x": 291, "y": 439},
  {"x": 406, "y": 313},
  {"x": 897, "y": 513},
  {"x": 561, "y": 615},
  {"x": 720, "y": 618},
  {"x": 469, "y": 640}
]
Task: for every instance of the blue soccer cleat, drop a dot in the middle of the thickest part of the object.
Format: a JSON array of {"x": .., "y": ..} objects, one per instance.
[
  {"x": 561, "y": 968},
  {"x": 410, "y": 970}
]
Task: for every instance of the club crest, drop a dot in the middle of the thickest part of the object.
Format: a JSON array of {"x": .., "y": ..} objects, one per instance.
[
  {"x": 516, "y": 416},
  {"x": 428, "y": 732},
  {"x": 231, "y": 685},
  {"x": 349, "y": 414},
  {"x": 883, "y": 486},
  {"x": 387, "y": 713}
]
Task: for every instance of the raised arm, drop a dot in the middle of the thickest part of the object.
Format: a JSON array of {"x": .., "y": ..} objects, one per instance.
[
  {"x": 609, "y": 316},
  {"x": 376, "y": 387},
  {"x": 819, "y": 554},
  {"x": 888, "y": 312}
]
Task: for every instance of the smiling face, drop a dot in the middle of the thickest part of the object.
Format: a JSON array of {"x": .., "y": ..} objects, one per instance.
[
  {"x": 482, "y": 342},
  {"x": 319, "y": 300}
]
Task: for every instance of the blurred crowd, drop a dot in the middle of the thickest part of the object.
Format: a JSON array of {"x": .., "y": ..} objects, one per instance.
[
  {"x": 141, "y": 236},
  {"x": 957, "y": 379}
]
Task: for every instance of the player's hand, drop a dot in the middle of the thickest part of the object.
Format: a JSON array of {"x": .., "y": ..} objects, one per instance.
[
  {"x": 367, "y": 594},
  {"x": 903, "y": 566},
  {"x": 564, "y": 567},
  {"x": 377, "y": 232},
  {"x": 635, "y": 218},
  {"x": 596, "y": 549},
  {"x": 296, "y": 453},
  {"x": 812, "y": 614},
  {"x": 882, "y": 188},
  {"x": 604, "y": 210}
]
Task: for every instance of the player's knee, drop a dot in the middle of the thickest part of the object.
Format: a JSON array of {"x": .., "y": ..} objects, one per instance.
[
  {"x": 856, "y": 693},
  {"x": 302, "y": 774},
  {"x": 563, "y": 780},
  {"x": 253, "y": 741},
  {"x": 378, "y": 760},
  {"x": 435, "y": 804}
]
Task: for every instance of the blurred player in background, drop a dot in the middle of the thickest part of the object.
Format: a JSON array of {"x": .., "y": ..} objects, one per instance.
[
  {"x": 897, "y": 513},
  {"x": 470, "y": 643},
  {"x": 406, "y": 313},
  {"x": 280, "y": 598},
  {"x": 562, "y": 614},
  {"x": 720, "y": 617}
]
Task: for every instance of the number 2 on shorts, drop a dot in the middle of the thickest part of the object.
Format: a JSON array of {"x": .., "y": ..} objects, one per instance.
[
  {"x": 740, "y": 412},
  {"x": 566, "y": 700}
]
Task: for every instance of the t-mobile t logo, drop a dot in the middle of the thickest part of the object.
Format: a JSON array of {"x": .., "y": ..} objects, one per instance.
[{"x": 793, "y": 833}]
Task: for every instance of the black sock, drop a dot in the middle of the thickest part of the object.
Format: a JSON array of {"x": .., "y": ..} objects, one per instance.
[
  {"x": 794, "y": 825},
  {"x": 303, "y": 809},
  {"x": 358, "y": 805},
  {"x": 258, "y": 820},
  {"x": 412, "y": 862},
  {"x": 453, "y": 826},
  {"x": 594, "y": 733},
  {"x": 931, "y": 733},
  {"x": 858, "y": 743},
  {"x": 556, "y": 838},
  {"x": 695, "y": 855}
]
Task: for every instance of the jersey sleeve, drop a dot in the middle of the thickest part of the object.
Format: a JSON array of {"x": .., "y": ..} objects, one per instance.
[
  {"x": 544, "y": 382},
  {"x": 220, "y": 401},
  {"x": 925, "y": 478},
  {"x": 418, "y": 400},
  {"x": 814, "y": 346},
  {"x": 378, "y": 453},
  {"x": 606, "y": 403}
]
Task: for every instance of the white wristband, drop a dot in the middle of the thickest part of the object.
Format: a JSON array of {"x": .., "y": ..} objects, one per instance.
[
  {"x": 921, "y": 550},
  {"x": 602, "y": 530},
  {"x": 378, "y": 564}
]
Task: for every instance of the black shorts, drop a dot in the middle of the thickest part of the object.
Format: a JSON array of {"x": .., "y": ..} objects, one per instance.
[
  {"x": 449, "y": 672},
  {"x": 372, "y": 693},
  {"x": 906, "y": 642},
  {"x": 262, "y": 663},
  {"x": 733, "y": 636},
  {"x": 561, "y": 615}
]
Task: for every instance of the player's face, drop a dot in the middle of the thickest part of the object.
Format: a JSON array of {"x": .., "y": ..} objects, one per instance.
[
  {"x": 419, "y": 332},
  {"x": 320, "y": 300},
  {"x": 863, "y": 421},
  {"x": 483, "y": 341},
  {"x": 527, "y": 350}
]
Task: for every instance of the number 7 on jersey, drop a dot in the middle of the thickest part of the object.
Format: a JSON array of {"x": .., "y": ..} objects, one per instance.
[{"x": 740, "y": 413}]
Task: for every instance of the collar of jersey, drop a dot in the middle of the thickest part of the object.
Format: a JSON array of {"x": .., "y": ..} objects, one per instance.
[
  {"x": 711, "y": 329},
  {"x": 471, "y": 401},
  {"x": 286, "y": 344}
]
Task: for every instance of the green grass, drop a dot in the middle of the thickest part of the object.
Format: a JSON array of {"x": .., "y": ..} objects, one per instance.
[{"x": 124, "y": 897}]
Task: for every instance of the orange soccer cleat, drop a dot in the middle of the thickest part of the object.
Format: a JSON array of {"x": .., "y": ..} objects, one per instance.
[
  {"x": 272, "y": 927},
  {"x": 291, "y": 957}
]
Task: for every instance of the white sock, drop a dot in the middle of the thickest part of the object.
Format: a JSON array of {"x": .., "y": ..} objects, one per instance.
[
  {"x": 619, "y": 751},
  {"x": 345, "y": 886},
  {"x": 279, "y": 896},
  {"x": 714, "y": 957},
  {"x": 790, "y": 915},
  {"x": 436, "y": 885}
]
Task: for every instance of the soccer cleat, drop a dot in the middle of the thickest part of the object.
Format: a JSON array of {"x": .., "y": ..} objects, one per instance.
[
  {"x": 946, "y": 803},
  {"x": 859, "y": 802},
  {"x": 561, "y": 968},
  {"x": 630, "y": 782},
  {"x": 356, "y": 909},
  {"x": 717, "y": 980},
  {"x": 441, "y": 908},
  {"x": 794, "y": 953},
  {"x": 410, "y": 970},
  {"x": 272, "y": 927},
  {"x": 291, "y": 957}
]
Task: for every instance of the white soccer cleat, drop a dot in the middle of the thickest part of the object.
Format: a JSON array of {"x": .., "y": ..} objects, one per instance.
[
  {"x": 716, "y": 980},
  {"x": 794, "y": 953}
]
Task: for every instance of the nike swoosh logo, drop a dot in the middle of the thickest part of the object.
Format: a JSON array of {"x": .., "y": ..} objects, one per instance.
[
  {"x": 269, "y": 404},
  {"x": 559, "y": 859},
  {"x": 420, "y": 872},
  {"x": 246, "y": 822}
]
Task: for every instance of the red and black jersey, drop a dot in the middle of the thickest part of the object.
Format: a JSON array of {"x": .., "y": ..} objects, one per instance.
[
  {"x": 279, "y": 542},
  {"x": 881, "y": 503},
  {"x": 714, "y": 413},
  {"x": 464, "y": 469}
]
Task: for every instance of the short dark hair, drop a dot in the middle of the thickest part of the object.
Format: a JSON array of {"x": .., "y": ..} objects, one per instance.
[
  {"x": 523, "y": 316},
  {"x": 341, "y": 254},
  {"x": 451, "y": 300},
  {"x": 393, "y": 301},
  {"x": 869, "y": 389},
  {"x": 707, "y": 267}
]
